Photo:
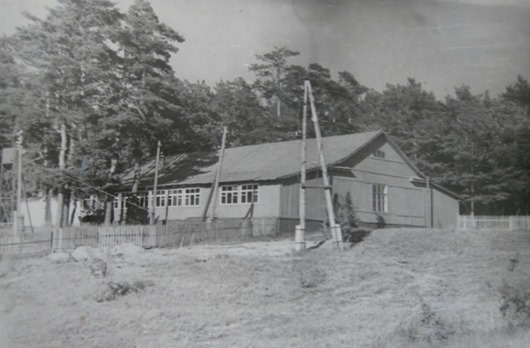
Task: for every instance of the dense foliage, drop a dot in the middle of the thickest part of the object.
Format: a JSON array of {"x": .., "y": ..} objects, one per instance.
[{"x": 93, "y": 91}]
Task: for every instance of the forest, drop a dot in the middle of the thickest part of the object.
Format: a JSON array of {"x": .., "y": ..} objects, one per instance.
[{"x": 91, "y": 90}]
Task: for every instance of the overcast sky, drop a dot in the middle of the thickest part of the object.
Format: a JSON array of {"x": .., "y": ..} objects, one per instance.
[{"x": 445, "y": 43}]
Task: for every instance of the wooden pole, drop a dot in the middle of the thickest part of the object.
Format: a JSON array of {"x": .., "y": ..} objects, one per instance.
[
  {"x": 215, "y": 187},
  {"x": 167, "y": 207},
  {"x": 155, "y": 185},
  {"x": 299, "y": 238},
  {"x": 18, "y": 225},
  {"x": 335, "y": 229}
]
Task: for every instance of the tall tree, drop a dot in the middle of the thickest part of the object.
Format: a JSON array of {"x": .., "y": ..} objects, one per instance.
[
  {"x": 519, "y": 93},
  {"x": 148, "y": 106},
  {"x": 239, "y": 109},
  {"x": 69, "y": 54},
  {"x": 271, "y": 74},
  {"x": 478, "y": 149}
]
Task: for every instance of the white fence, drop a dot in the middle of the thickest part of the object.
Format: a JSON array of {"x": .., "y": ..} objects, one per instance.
[{"x": 487, "y": 222}]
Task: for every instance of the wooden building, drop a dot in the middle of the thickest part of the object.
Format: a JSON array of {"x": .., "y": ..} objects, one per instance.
[{"x": 263, "y": 181}]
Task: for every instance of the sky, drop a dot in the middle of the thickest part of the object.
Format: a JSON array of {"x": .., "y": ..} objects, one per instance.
[{"x": 443, "y": 44}]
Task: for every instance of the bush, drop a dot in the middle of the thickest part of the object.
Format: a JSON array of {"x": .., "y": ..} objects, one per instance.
[
  {"x": 344, "y": 211},
  {"x": 115, "y": 289},
  {"x": 354, "y": 235},
  {"x": 515, "y": 306}
]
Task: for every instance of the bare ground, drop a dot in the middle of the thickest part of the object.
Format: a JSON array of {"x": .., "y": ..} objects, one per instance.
[{"x": 397, "y": 288}]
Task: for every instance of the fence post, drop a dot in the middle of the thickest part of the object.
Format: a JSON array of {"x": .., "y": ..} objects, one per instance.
[{"x": 60, "y": 244}]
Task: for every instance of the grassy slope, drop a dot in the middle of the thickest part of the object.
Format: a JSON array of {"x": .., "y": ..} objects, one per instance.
[{"x": 399, "y": 287}]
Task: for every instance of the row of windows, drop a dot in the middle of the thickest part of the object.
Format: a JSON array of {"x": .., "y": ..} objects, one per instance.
[
  {"x": 379, "y": 154},
  {"x": 239, "y": 194},
  {"x": 191, "y": 197}
]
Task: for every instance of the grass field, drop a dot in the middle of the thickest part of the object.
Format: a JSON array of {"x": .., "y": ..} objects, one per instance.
[{"x": 397, "y": 288}]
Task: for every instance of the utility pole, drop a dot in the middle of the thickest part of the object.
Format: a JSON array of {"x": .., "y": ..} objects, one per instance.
[
  {"x": 336, "y": 232},
  {"x": 299, "y": 237},
  {"x": 431, "y": 202},
  {"x": 155, "y": 185},
  {"x": 18, "y": 223},
  {"x": 215, "y": 186}
]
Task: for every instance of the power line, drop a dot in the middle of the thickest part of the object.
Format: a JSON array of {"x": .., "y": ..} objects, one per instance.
[{"x": 85, "y": 184}]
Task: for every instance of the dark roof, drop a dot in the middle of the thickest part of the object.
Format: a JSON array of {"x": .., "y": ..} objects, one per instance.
[{"x": 262, "y": 162}]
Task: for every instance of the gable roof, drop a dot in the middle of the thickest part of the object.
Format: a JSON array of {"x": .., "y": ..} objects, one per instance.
[{"x": 262, "y": 162}]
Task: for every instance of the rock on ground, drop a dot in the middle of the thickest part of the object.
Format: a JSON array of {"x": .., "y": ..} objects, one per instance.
[
  {"x": 125, "y": 250},
  {"x": 86, "y": 253}
]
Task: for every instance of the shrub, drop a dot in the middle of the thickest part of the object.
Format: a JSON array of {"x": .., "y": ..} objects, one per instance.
[
  {"x": 515, "y": 306},
  {"x": 354, "y": 235},
  {"x": 115, "y": 289},
  {"x": 344, "y": 211}
]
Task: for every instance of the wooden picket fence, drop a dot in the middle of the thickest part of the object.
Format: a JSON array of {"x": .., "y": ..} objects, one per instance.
[
  {"x": 173, "y": 233},
  {"x": 487, "y": 222},
  {"x": 176, "y": 233},
  {"x": 69, "y": 238},
  {"x": 28, "y": 242}
]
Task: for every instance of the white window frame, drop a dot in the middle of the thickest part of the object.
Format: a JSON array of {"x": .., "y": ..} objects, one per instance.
[
  {"x": 184, "y": 197},
  {"x": 192, "y": 197},
  {"x": 379, "y": 154},
  {"x": 143, "y": 199},
  {"x": 249, "y": 193},
  {"x": 229, "y": 194},
  {"x": 239, "y": 194},
  {"x": 160, "y": 199},
  {"x": 380, "y": 198},
  {"x": 175, "y": 198}
]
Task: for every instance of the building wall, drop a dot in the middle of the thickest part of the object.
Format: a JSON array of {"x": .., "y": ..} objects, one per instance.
[
  {"x": 445, "y": 211},
  {"x": 34, "y": 211},
  {"x": 315, "y": 200},
  {"x": 406, "y": 202}
]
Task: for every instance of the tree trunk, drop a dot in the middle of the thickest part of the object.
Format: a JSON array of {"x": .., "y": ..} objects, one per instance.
[
  {"x": 109, "y": 200},
  {"x": 47, "y": 208},
  {"x": 66, "y": 207},
  {"x": 62, "y": 166},
  {"x": 74, "y": 210},
  {"x": 108, "y": 211},
  {"x": 136, "y": 177}
]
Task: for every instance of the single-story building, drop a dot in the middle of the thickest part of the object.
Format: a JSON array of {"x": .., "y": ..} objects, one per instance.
[{"x": 264, "y": 181}]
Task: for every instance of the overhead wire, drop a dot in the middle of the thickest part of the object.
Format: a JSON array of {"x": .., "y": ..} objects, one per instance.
[{"x": 70, "y": 176}]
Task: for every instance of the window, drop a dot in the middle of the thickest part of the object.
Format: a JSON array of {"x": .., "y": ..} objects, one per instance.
[
  {"x": 249, "y": 193},
  {"x": 239, "y": 194},
  {"x": 142, "y": 200},
  {"x": 379, "y": 154},
  {"x": 189, "y": 197},
  {"x": 192, "y": 197},
  {"x": 175, "y": 198},
  {"x": 160, "y": 200},
  {"x": 122, "y": 204},
  {"x": 229, "y": 194},
  {"x": 380, "y": 198}
]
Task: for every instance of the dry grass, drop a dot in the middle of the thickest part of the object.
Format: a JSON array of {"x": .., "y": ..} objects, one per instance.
[{"x": 397, "y": 288}]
